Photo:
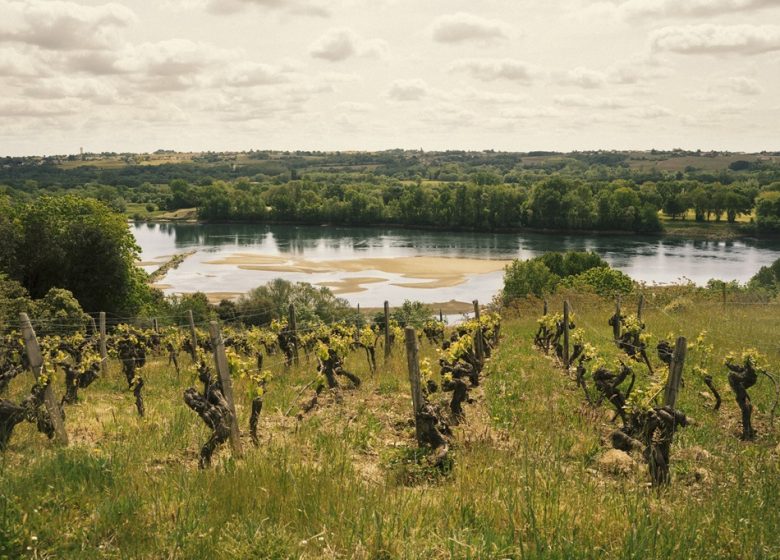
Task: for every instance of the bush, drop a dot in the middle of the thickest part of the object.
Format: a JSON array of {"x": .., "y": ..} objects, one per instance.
[
  {"x": 678, "y": 305},
  {"x": 524, "y": 278},
  {"x": 607, "y": 282}
]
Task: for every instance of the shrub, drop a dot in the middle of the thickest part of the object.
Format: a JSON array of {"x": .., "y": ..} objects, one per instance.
[
  {"x": 607, "y": 282},
  {"x": 524, "y": 278}
]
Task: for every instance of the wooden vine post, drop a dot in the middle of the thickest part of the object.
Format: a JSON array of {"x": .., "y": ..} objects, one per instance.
[
  {"x": 387, "y": 331},
  {"x": 478, "y": 342},
  {"x": 36, "y": 363},
  {"x": 640, "y": 307},
  {"x": 616, "y": 325},
  {"x": 193, "y": 336},
  {"x": 675, "y": 373},
  {"x": 220, "y": 359},
  {"x": 566, "y": 312},
  {"x": 414, "y": 379},
  {"x": 155, "y": 325},
  {"x": 94, "y": 326},
  {"x": 293, "y": 328},
  {"x": 103, "y": 351},
  {"x": 545, "y": 308}
]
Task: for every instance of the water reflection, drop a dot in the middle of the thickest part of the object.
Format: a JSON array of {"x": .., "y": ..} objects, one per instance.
[{"x": 649, "y": 259}]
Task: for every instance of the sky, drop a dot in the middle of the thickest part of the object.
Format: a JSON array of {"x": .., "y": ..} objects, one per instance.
[{"x": 514, "y": 75}]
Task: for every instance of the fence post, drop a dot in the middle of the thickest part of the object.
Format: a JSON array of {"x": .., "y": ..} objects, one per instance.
[
  {"x": 94, "y": 326},
  {"x": 293, "y": 328},
  {"x": 566, "y": 334},
  {"x": 155, "y": 325},
  {"x": 641, "y": 307},
  {"x": 616, "y": 326},
  {"x": 441, "y": 315},
  {"x": 414, "y": 378},
  {"x": 675, "y": 373},
  {"x": 545, "y": 308},
  {"x": 723, "y": 289},
  {"x": 478, "y": 336},
  {"x": 387, "y": 330},
  {"x": 220, "y": 359},
  {"x": 193, "y": 336},
  {"x": 103, "y": 351},
  {"x": 36, "y": 363}
]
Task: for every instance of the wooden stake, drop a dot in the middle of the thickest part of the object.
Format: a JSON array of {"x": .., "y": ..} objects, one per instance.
[
  {"x": 616, "y": 326},
  {"x": 103, "y": 351},
  {"x": 220, "y": 359},
  {"x": 293, "y": 328},
  {"x": 155, "y": 325},
  {"x": 641, "y": 307},
  {"x": 566, "y": 335},
  {"x": 545, "y": 308},
  {"x": 193, "y": 336},
  {"x": 387, "y": 331},
  {"x": 675, "y": 373},
  {"x": 94, "y": 326},
  {"x": 36, "y": 363},
  {"x": 414, "y": 378},
  {"x": 478, "y": 343}
]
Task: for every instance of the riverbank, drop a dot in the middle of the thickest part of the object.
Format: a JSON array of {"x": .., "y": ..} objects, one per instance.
[{"x": 676, "y": 229}]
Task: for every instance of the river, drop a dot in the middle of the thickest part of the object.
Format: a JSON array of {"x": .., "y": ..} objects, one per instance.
[{"x": 370, "y": 265}]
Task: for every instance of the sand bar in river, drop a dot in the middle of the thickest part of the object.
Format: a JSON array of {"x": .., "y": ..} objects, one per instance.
[{"x": 439, "y": 272}]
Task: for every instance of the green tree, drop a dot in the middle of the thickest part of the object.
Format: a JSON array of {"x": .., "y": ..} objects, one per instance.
[
  {"x": 524, "y": 278},
  {"x": 78, "y": 244}
]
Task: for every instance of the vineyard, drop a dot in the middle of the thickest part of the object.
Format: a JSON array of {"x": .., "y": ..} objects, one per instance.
[{"x": 581, "y": 430}]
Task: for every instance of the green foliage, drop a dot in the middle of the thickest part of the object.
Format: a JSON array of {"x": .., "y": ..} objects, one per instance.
[
  {"x": 605, "y": 281},
  {"x": 59, "y": 312},
  {"x": 768, "y": 211},
  {"x": 77, "y": 244},
  {"x": 572, "y": 263},
  {"x": 271, "y": 301},
  {"x": 768, "y": 277},
  {"x": 197, "y": 302},
  {"x": 411, "y": 313},
  {"x": 524, "y": 278}
]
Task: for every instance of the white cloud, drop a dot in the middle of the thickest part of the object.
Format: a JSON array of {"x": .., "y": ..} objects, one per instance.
[
  {"x": 342, "y": 43},
  {"x": 19, "y": 64},
  {"x": 742, "y": 85},
  {"x": 335, "y": 45},
  {"x": 60, "y": 87},
  {"x": 496, "y": 69},
  {"x": 714, "y": 39},
  {"x": 301, "y": 7},
  {"x": 408, "y": 90},
  {"x": 59, "y": 25},
  {"x": 690, "y": 8},
  {"x": 650, "y": 112},
  {"x": 584, "y": 78},
  {"x": 244, "y": 73},
  {"x": 586, "y": 101},
  {"x": 462, "y": 27},
  {"x": 21, "y": 107}
]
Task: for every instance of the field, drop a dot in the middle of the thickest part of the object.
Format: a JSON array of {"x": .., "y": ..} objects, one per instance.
[{"x": 347, "y": 481}]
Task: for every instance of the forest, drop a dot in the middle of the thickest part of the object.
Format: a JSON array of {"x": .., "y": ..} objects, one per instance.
[{"x": 480, "y": 191}]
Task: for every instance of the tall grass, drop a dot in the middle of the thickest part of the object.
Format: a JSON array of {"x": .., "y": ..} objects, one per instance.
[{"x": 345, "y": 481}]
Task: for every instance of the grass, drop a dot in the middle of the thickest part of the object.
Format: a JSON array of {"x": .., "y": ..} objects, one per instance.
[{"x": 348, "y": 482}]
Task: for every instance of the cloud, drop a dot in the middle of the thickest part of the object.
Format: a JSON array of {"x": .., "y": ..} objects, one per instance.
[
  {"x": 584, "y": 78},
  {"x": 650, "y": 112},
  {"x": 636, "y": 9},
  {"x": 247, "y": 74},
  {"x": 586, "y": 101},
  {"x": 715, "y": 39},
  {"x": 408, "y": 90},
  {"x": 463, "y": 27},
  {"x": 342, "y": 43},
  {"x": 742, "y": 85},
  {"x": 301, "y": 7},
  {"x": 495, "y": 69},
  {"x": 18, "y": 64},
  {"x": 60, "y": 87},
  {"x": 59, "y": 25},
  {"x": 30, "y": 108}
]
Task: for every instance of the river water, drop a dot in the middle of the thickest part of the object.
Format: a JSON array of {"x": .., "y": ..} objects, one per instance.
[{"x": 648, "y": 259}]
